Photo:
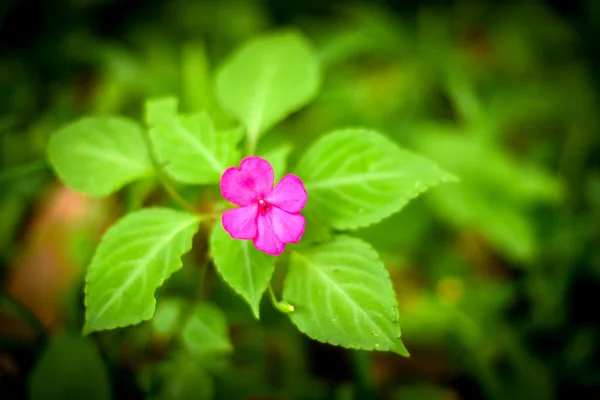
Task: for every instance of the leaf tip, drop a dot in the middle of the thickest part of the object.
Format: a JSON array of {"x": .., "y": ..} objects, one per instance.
[
  {"x": 255, "y": 312},
  {"x": 87, "y": 329},
  {"x": 401, "y": 349}
]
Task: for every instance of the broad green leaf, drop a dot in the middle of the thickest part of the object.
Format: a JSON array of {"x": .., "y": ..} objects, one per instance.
[
  {"x": 70, "y": 368},
  {"x": 266, "y": 79},
  {"x": 134, "y": 257},
  {"x": 356, "y": 177},
  {"x": 247, "y": 270},
  {"x": 343, "y": 295},
  {"x": 277, "y": 156},
  {"x": 189, "y": 147},
  {"x": 205, "y": 331},
  {"x": 99, "y": 155}
]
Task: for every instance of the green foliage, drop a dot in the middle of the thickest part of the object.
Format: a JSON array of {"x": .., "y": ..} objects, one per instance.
[
  {"x": 277, "y": 156},
  {"x": 247, "y": 270},
  {"x": 189, "y": 147},
  {"x": 356, "y": 177},
  {"x": 266, "y": 79},
  {"x": 343, "y": 295},
  {"x": 167, "y": 316},
  {"x": 99, "y": 155},
  {"x": 135, "y": 257},
  {"x": 185, "y": 379},
  {"x": 495, "y": 190},
  {"x": 70, "y": 367},
  {"x": 205, "y": 332},
  {"x": 505, "y": 105}
]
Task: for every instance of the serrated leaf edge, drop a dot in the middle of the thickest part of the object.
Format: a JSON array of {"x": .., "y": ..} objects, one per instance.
[
  {"x": 187, "y": 248},
  {"x": 375, "y": 256},
  {"x": 143, "y": 173},
  {"x": 445, "y": 177},
  {"x": 255, "y": 312}
]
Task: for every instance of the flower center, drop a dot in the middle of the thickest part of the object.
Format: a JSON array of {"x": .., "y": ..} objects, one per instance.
[{"x": 263, "y": 205}]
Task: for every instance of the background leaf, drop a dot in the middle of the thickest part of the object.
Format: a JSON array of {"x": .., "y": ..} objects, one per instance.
[
  {"x": 343, "y": 295},
  {"x": 277, "y": 156},
  {"x": 134, "y": 257},
  {"x": 205, "y": 331},
  {"x": 247, "y": 270},
  {"x": 190, "y": 147},
  {"x": 266, "y": 79},
  {"x": 496, "y": 192},
  {"x": 167, "y": 316},
  {"x": 185, "y": 379},
  {"x": 99, "y": 155},
  {"x": 80, "y": 375},
  {"x": 355, "y": 177}
]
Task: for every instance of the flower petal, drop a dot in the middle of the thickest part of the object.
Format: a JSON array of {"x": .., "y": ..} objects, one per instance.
[
  {"x": 241, "y": 222},
  {"x": 288, "y": 227},
  {"x": 289, "y": 194},
  {"x": 266, "y": 240},
  {"x": 244, "y": 185}
]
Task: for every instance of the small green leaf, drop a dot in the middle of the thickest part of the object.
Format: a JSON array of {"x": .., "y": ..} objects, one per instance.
[
  {"x": 205, "y": 331},
  {"x": 189, "y": 147},
  {"x": 268, "y": 78},
  {"x": 277, "y": 156},
  {"x": 247, "y": 270},
  {"x": 70, "y": 368},
  {"x": 167, "y": 315},
  {"x": 134, "y": 257},
  {"x": 99, "y": 155},
  {"x": 356, "y": 177},
  {"x": 343, "y": 295}
]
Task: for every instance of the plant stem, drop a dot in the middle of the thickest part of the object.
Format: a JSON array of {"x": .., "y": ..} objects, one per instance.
[
  {"x": 200, "y": 273},
  {"x": 283, "y": 305},
  {"x": 251, "y": 140},
  {"x": 250, "y": 147},
  {"x": 166, "y": 184},
  {"x": 164, "y": 178},
  {"x": 272, "y": 296}
]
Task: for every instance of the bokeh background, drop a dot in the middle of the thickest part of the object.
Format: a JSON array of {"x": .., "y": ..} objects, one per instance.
[{"x": 497, "y": 277}]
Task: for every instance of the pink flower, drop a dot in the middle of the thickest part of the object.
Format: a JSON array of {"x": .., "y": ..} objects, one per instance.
[{"x": 268, "y": 215}]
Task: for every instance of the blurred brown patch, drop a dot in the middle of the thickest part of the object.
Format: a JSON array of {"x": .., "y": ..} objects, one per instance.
[
  {"x": 479, "y": 254},
  {"x": 46, "y": 267}
]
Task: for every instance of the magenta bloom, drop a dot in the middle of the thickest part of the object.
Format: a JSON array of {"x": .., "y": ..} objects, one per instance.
[{"x": 268, "y": 215}]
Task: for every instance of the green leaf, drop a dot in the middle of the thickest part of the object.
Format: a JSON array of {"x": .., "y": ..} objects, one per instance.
[
  {"x": 268, "y": 78},
  {"x": 277, "y": 156},
  {"x": 167, "y": 315},
  {"x": 343, "y": 295},
  {"x": 134, "y": 257},
  {"x": 205, "y": 331},
  {"x": 99, "y": 155},
  {"x": 70, "y": 368},
  {"x": 497, "y": 193},
  {"x": 195, "y": 75},
  {"x": 189, "y": 147},
  {"x": 185, "y": 379},
  {"x": 247, "y": 270},
  {"x": 356, "y": 177}
]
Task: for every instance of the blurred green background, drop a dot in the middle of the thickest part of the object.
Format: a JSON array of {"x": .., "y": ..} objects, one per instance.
[{"x": 497, "y": 277}]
